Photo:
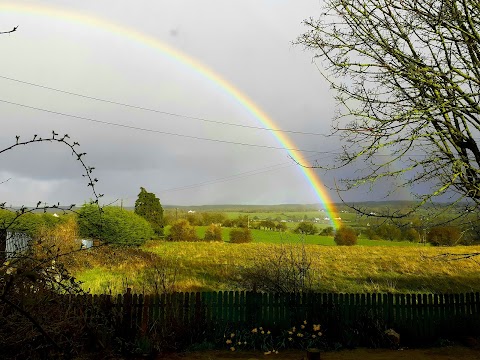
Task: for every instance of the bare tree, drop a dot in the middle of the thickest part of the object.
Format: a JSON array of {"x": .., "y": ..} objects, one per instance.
[{"x": 406, "y": 76}]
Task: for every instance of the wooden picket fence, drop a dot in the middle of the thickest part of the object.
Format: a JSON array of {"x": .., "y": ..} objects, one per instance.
[{"x": 415, "y": 316}]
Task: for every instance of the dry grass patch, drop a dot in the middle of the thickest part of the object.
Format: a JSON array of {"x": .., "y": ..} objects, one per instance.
[{"x": 216, "y": 266}]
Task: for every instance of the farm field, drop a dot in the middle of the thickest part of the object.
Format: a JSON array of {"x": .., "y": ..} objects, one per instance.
[
  {"x": 275, "y": 237},
  {"x": 200, "y": 266}
]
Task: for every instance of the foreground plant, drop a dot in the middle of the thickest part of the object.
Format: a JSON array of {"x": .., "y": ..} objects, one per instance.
[
  {"x": 301, "y": 336},
  {"x": 37, "y": 322}
]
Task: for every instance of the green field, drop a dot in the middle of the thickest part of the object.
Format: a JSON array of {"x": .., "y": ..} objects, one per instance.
[{"x": 275, "y": 237}]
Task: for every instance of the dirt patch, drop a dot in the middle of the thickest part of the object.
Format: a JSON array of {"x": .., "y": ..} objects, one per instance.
[{"x": 444, "y": 353}]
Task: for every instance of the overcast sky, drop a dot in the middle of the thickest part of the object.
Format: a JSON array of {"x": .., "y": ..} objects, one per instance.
[{"x": 246, "y": 42}]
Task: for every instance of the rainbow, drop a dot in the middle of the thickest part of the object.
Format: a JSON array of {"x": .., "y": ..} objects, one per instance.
[{"x": 197, "y": 67}]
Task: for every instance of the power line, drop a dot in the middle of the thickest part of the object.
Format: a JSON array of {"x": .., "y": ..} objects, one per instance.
[
  {"x": 233, "y": 177},
  {"x": 137, "y": 107},
  {"x": 131, "y": 127}
]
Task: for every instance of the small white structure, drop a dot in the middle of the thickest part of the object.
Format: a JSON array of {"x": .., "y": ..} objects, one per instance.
[
  {"x": 86, "y": 243},
  {"x": 16, "y": 243}
]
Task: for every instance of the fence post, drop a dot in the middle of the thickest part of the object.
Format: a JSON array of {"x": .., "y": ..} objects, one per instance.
[
  {"x": 127, "y": 314},
  {"x": 252, "y": 307},
  {"x": 145, "y": 314}
]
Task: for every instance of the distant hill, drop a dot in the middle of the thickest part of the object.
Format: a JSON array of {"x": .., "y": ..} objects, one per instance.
[
  {"x": 249, "y": 208},
  {"x": 391, "y": 205}
]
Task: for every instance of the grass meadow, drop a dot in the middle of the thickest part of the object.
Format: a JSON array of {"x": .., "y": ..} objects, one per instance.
[{"x": 201, "y": 266}]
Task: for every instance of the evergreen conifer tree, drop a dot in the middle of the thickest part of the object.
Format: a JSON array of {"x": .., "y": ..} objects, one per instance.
[{"x": 148, "y": 206}]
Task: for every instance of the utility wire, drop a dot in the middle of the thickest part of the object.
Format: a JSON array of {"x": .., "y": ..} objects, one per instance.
[
  {"x": 159, "y": 111},
  {"x": 263, "y": 170},
  {"x": 131, "y": 127},
  {"x": 233, "y": 177}
]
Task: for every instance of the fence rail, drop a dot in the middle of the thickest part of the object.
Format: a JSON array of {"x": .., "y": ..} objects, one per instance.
[{"x": 415, "y": 316}]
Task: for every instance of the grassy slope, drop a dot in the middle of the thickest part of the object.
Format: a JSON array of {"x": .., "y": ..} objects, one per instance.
[{"x": 213, "y": 266}]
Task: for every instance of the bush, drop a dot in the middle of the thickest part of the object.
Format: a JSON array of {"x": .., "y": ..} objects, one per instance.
[
  {"x": 37, "y": 317},
  {"x": 267, "y": 224},
  {"x": 371, "y": 234},
  {"x": 412, "y": 235},
  {"x": 281, "y": 226},
  {"x": 240, "y": 236},
  {"x": 212, "y": 218},
  {"x": 63, "y": 235},
  {"x": 306, "y": 228},
  {"x": 389, "y": 232},
  {"x": 213, "y": 233},
  {"x": 444, "y": 235},
  {"x": 29, "y": 223},
  {"x": 240, "y": 222},
  {"x": 113, "y": 225},
  {"x": 328, "y": 231},
  {"x": 285, "y": 269},
  {"x": 182, "y": 230},
  {"x": 345, "y": 236},
  {"x": 229, "y": 223}
]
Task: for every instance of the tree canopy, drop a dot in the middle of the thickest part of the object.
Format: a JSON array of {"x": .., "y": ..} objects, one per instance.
[
  {"x": 148, "y": 206},
  {"x": 406, "y": 76},
  {"x": 306, "y": 228},
  {"x": 182, "y": 230}
]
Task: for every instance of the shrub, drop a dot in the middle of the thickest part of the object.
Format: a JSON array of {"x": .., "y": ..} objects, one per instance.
[
  {"x": 229, "y": 223},
  {"x": 328, "y": 231},
  {"x": 371, "y": 234},
  {"x": 194, "y": 218},
  {"x": 212, "y": 218},
  {"x": 306, "y": 228},
  {"x": 242, "y": 221},
  {"x": 412, "y": 235},
  {"x": 389, "y": 232},
  {"x": 182, "y": 230},
  {"x": 240, "y": 236},
  {"x": 113, "y": 225},
  {"x": 267, "y": 224},
  {"x": 345, "y": 236},
  {"x": 285, "y": 269},
  {"x": 213, "y": 233},
  {"x": 444, "y": 235},
  {"x": 63, "y": 235},
  {"x": 28, "y": 223},
  {"x": 281, "y": 226}
]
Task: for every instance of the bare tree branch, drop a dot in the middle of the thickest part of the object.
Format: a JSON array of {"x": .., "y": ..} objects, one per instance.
[{"x": 10, "y": 31}]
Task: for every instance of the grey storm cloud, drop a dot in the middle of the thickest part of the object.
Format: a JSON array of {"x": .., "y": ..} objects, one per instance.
[{"x": 247, "y": 43}]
